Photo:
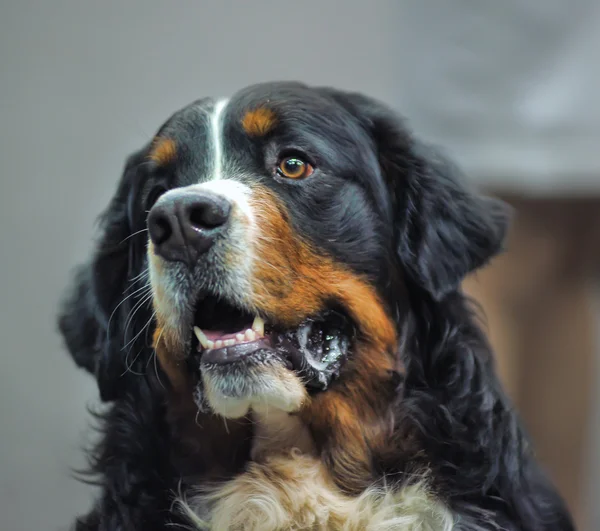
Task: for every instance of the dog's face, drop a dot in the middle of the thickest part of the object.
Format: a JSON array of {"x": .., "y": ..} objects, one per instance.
[
  {"x": 267, "y": 250},
  {"x": 285, "y": 228}
]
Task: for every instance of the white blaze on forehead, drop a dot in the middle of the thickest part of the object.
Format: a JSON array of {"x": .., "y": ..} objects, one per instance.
[
  {"x": 236, "y": 192},
  {"x": 216, "y": 134}
]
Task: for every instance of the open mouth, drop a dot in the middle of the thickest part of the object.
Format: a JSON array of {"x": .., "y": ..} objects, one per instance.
[
  {"x": 224, "y": 333},
  {"x": 315, "y": 349}
]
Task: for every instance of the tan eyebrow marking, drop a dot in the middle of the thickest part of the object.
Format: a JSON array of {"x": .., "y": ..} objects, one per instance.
[
  {"x": 163, "y": 151},
  {"x": 259, "y": 121}
]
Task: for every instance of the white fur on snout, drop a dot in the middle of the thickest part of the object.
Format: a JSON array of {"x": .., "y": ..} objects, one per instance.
[
  {"x": 236, "y": 192},
  {"x": 232, "y": 259}
]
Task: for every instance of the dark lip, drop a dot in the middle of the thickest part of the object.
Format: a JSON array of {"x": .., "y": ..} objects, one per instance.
[
  {"x": 234, "y": 353},
  {"x": 277, "y": 344}
]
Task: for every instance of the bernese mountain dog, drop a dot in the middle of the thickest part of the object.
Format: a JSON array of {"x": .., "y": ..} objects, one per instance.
[{"x": 274, "y": 317}]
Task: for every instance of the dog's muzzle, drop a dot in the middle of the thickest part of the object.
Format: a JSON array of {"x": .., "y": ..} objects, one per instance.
[{"x": 183, "y": 225}]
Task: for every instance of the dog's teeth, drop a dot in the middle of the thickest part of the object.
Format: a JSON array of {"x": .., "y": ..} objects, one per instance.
[
  {"x": 210, "y": 344},
  {"x": 229, "y": 342},
  {"x": 218, "y": 344},
  {"x": 240, "y": 337},
  {"x": 204, "y": 341},
  {"x": 258, "y": 326},
  {"x": 250, "y": 335}
]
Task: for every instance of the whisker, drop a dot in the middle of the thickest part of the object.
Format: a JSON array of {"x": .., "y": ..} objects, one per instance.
[
  {"x": 196, "y": 422},
  {"x": 129, "y": 367},
  {"x": 264, "y": 262},
  {"x": 138, "y": 305},
  {"x": 154, "y": 356},
  {"x": 118, "y": 306},
  {"x": 154, "y": 350},
  {"x": 144, "y": 275},
  {"x": 148, "y": 330},
  {"x": 265, "y": 238},
  {"x": 132, "y": 284},
  {"x": 145, "y": 327},
  {"x": 144, "y": 272},
  {"x": 132, "y": 235}
]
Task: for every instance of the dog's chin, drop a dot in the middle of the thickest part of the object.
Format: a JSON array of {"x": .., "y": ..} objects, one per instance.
[
  {"x": 260, "y": 381},
  {"x": 245, "y": 362}
]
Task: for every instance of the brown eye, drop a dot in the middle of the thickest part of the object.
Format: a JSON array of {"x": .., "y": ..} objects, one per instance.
[{"x": 294, "y": 168}]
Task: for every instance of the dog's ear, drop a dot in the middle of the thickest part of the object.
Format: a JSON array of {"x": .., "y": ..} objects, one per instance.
[
  {"x": 444, "y": 229},
  {"x": 92, "y": 317}
]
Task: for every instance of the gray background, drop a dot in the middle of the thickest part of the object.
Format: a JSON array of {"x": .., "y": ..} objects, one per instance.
[{"x": 82, "y": 85}]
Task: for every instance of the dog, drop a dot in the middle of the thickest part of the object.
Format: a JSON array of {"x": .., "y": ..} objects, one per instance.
[{"x": 274, "y": 317}]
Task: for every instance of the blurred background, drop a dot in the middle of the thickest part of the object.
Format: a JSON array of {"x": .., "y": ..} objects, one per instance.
[{"x": 508, "y": 88}]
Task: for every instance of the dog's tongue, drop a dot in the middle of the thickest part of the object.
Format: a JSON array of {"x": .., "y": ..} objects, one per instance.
[
  {"x": 217, "y": 338},
  {"x": 214, "y": 335}
]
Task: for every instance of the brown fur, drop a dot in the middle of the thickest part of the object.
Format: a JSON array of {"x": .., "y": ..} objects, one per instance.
[
  {"x": 163, "y": 151},
  {"x": 259, "y": 121},
  {"x": 352, "y": 419},
  {"x": 172, "y": 364},
  {"x": 293, "y": 281},
  {"x": 278, "y": 433}
]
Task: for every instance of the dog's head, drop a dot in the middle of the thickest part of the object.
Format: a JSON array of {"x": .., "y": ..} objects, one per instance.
[{"x": 264, "y": 246}]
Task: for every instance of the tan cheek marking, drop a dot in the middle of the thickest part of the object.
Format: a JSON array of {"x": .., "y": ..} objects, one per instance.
[
  {"x": 258, "y": 122},
  {"x": 163, "y": 151},
  {"x": 171, "y": 363},
  {"x": 291, "y": 281},
  {"x": 351, "y": 419}
]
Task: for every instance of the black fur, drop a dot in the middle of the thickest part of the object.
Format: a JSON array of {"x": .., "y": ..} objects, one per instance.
[{"x": 397, "y": 212}]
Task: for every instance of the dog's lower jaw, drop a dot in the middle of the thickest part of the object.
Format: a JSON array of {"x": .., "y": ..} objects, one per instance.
[{"x": 266, "y": 386}]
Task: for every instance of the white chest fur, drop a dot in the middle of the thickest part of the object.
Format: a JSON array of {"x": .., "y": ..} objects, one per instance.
[{"x": 286, "y": 487}]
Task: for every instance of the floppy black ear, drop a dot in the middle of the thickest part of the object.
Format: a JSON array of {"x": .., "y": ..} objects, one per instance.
[
  {"x": 444, "y": 229},
  {"x": 93, "y": 314}
]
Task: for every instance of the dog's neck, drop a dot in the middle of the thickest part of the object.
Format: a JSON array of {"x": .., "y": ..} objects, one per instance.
[
  {"x": 277, "y": 432},
  {"x": 264, "y": 433},
  {"x": 210, "y": 446},
  {"x": 285, "y": 467},
  {"x": 346, "y": 433},
  {"x": 273, "y": 453}
]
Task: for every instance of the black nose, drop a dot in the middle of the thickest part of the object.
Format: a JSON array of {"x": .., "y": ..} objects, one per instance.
[{"x": 183, "y": 225}]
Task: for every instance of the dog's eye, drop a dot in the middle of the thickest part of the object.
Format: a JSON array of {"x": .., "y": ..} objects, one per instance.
[
  {"x": 153, "y": 196},
  {"x": 294, "y": 168}
]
